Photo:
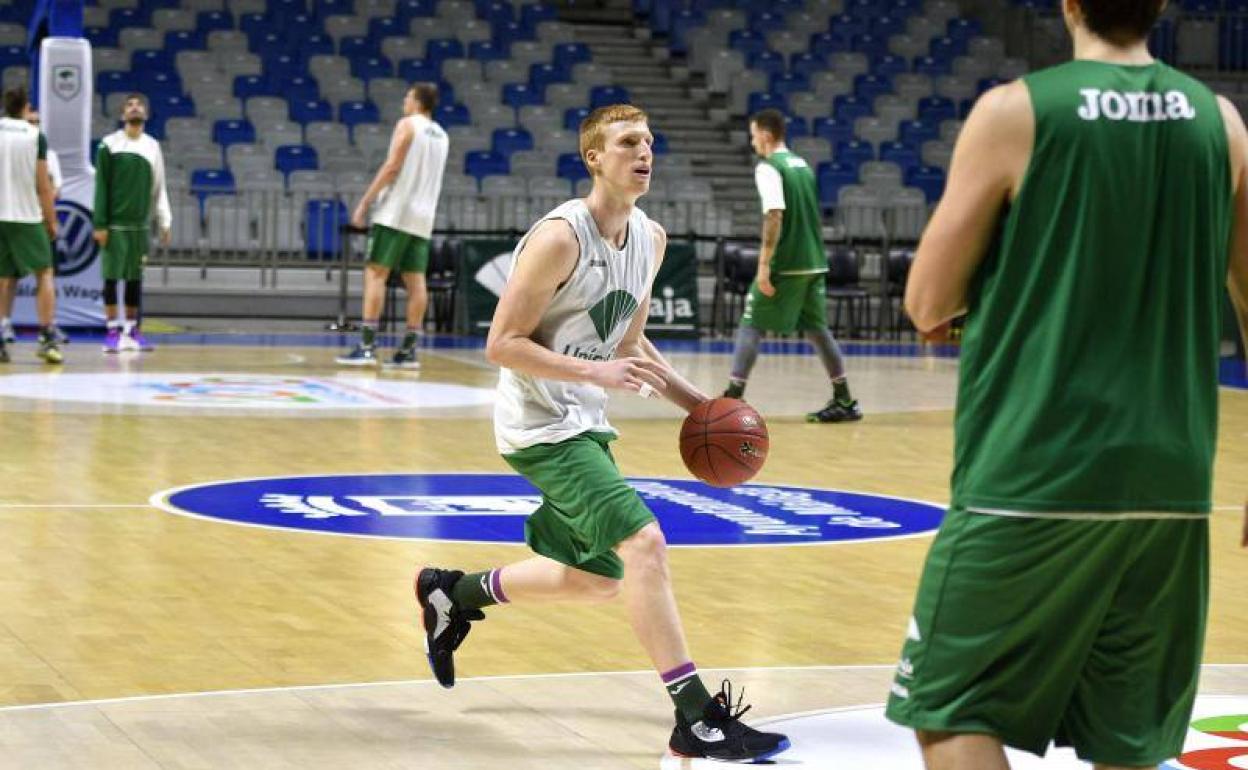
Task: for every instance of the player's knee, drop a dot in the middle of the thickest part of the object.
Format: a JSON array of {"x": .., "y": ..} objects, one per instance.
[
  {"x": 601, "y": 588},
  {"x": 647, "y": 546}
]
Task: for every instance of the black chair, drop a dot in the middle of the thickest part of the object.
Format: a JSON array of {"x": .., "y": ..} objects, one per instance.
[
  {"x": 899, "y": 262},
  {"x": 736, "y": 269},
  {"x": 845, "y": 292},
  {"x": 443, "y": 281}
]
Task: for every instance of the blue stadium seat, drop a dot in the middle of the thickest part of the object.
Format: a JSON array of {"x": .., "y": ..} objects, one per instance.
[
  {"x": 115, "y": 82},
  {"x": 849, "y": 108},
  {"x": 306, "y": 111},
  {"x": 487, "y": 51},
  {"x": 934, "y": 109},
  {"x": 929, "y": 179},
  {"x": 946, "y": 49},
  {"x": 482, "y": 163},
  {"x": 660, "y": 144},
  {"x": 312, "y": 45},
  {"x": 101, "y": 37},
  {"x": 413, "y": 70},
  {"x": 120, "y": 18},
  {"x": 571, "y": 167},
  {"x": 508, "y": 32},
  {"x": 795, "y": 127},
  {"x": 846, "y": 26},
  {"x": 874, "y": 47},
  {"x": 210, "y": 21},
  {"x": 352, "y": 114},
  {"x": 406, "y": 10},
  {"x": 206, "y": 182},
  {"x": 987, "y": 84},
  {"x": 184, "y": 40},
  {"x": 14, "y": 56},
  {"x": 383, "y": 27},
  {"x": 807, "y": 63},
  {"x": 568, "y": 55},
  {"x": 833, "y": 130},
  {"x": 517, "y": 95},
  {"x": 747, "y": 41},
  {"x": 323, "y": 221},
  {"x": 438, "y": 51},
  {"x": 253, "y": 25},
  {"x": 159, "y": 83},
  {"x": 451, "y": 114},
  {"x": 885, "y": 27},
  {"x": 248, "y": 86},
  {"x": 769, "y": 62},
  {"x": 323, "y": 8},
  {"x": 542, "y": 75},
  {"x": 573, "y": 116},
  {"x": 914, "y": 133},
  {"x": 495, "y": 12},
  {"x": 930, "y": 66},
  {"x": 683, "y": 22},
  {"x": 505, "y": 141},
  {"x": 601, "y": 96},
  {"x": 766, "y": 21},
  {"x": 372, "y": 67},
  {"x": 831, "y": 177},
  {"x": 151, "y": 61},
  {"x": 786, "y": 83},
  {"x": 866, "y": 9},
  {"x": 854, "y": 153},
  {"x": 299, "y": 88},
  {"x": 280, "y": 67},
  {"x": 172, "y": 107},
  {"x": 356, "y": 47},
  {"x": 868, "y": 87},
  {"x": 765, "y": 100},
  {"x": 532, "y": 15},
  {"x": 824, "y": 44},
  {"x": 890, "y": 66},
  {"x": 301, "y": 26},
  {"x": 963, "y": 30},
  {"x": 228, "y": 132},
  {"x": 905, "y": 156},
  {"x": 295, "y": 157}
]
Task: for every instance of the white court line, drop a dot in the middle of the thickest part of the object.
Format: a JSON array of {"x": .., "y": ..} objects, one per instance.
[
  {"x": 75, "y": 505},
  {"x": 496, "y": 678}
]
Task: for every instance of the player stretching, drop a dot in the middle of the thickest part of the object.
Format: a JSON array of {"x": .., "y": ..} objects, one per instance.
[
  {"x": 27, "y": 217},
  {"x": 568, "y": 327},
  {"x": 129, "y": 179},
  {"x": 1085, "y": 232},
  {"x": 409, "y": 184}
]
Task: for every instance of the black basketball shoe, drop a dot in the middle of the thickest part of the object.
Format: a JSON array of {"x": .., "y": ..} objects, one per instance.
[
  {"x": 837, "y": 411},
  {"x": 446, "y": 624},
  {"x": 719, "y": 734}
]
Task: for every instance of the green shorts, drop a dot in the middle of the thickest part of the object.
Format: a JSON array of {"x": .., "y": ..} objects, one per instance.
[
  {"x": 398, "y": 250},
  {"x": 800, "y": 303},
  {"x": 125, "y": 254},
  {"x": 24, "y": 249},
  {"x": 587, "y": 506},
  {"x": 1084, "y": 632}
]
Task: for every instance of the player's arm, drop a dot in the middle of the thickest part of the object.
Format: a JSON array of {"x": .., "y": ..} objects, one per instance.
[
  {"x": 160, "y": 194},
  {"x": 400, "y": 142},
  {"x": 43, "y": 186},
  {"x": 771, "y": 193},
  {"x": 988, "y": 165},
  {"x": 679, "y": 390},
  {"x": 544, "y": 264},
  {"x": 99, "y": 217},
  {"x": 1237, "y": 280}
]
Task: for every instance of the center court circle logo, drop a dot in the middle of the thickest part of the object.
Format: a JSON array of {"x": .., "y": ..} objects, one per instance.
[{"x": 492, "y": 509}]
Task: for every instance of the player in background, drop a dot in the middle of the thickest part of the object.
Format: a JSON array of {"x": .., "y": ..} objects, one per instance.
[
  {"x": 408, "y": 185},
  {"x": 569, "y": 327},
  {"x": 1094, "y": 213},
  {"x": 790, "y": 292},
  {"x": 129, "y": 192},
  {"x": 27, "y": 217}
]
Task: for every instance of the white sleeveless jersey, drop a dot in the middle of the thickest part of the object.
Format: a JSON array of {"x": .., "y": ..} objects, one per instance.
[
  {"x": 21, "y": 147},
  {"x": 587, "y": 319},
  {"x": 411, "y": 202}
]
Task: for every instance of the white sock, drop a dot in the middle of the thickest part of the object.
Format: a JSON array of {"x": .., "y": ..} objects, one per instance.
[
  {"x": 127, "y": 327},
  {"x": 114, "y": 324}
]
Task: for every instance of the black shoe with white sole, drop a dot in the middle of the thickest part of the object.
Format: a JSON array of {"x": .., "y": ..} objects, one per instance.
[
  {"x": 446, "y": 624},
  {"x": 720, "y": 734}
]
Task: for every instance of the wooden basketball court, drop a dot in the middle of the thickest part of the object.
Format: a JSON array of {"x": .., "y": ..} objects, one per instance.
[{"x": 116, "y": 616}]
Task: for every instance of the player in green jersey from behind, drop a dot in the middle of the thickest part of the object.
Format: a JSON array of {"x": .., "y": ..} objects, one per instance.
[
  {"x": 1093, "y": 215},
  {"x": 790, "y": 292}
]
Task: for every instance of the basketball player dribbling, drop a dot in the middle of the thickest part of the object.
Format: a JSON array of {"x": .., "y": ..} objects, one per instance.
[
  {"x": 569, "y": 326},
  {"x": 1094, "y": 213}
]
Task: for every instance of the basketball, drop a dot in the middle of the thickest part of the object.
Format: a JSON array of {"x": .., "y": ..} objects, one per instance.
[{"x": 724, "y": 442}]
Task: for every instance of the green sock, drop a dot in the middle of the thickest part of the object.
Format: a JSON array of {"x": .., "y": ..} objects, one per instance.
[
  {"x": 735, "y": 389},
  {"x": 840, "y": 391},
  {"x": 368, "y": 334},
  {"x": 477, "y": 590},
  {"x": 687, "y": 692}
]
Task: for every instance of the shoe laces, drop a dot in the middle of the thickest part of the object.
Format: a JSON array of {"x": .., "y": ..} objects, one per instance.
[
  {"x": 461, "y": 624},
  {"x": 730, "y": 711}
]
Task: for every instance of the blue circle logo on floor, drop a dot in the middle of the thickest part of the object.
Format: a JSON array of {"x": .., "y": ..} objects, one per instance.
[{"x": 492, "y": 509}]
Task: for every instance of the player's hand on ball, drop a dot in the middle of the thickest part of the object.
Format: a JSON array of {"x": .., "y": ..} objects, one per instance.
[
  {"x": 630, "y": 374},
  {"x": 101, "y": 237}
]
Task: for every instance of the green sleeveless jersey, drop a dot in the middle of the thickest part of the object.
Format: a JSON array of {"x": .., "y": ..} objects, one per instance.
[
  {"x": 1089, "y": 360},
  {"x": 800, "y": 248}
]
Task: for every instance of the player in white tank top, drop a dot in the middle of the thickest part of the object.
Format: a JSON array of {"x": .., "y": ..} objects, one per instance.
[
  {"x": 407, "y": 187},
  {"x": 568, "y": 328}
]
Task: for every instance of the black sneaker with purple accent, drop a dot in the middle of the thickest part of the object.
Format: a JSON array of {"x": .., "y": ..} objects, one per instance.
[
  {"x": 446, "y": 624},
  {"x": 720, "y": 734}
]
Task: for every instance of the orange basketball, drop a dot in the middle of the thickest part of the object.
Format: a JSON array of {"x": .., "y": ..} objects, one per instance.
[{"x": 724, "y": 442}]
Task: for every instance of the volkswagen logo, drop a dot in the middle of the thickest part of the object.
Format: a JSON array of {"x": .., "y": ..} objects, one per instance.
[{"x": 76, "y": 249}]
